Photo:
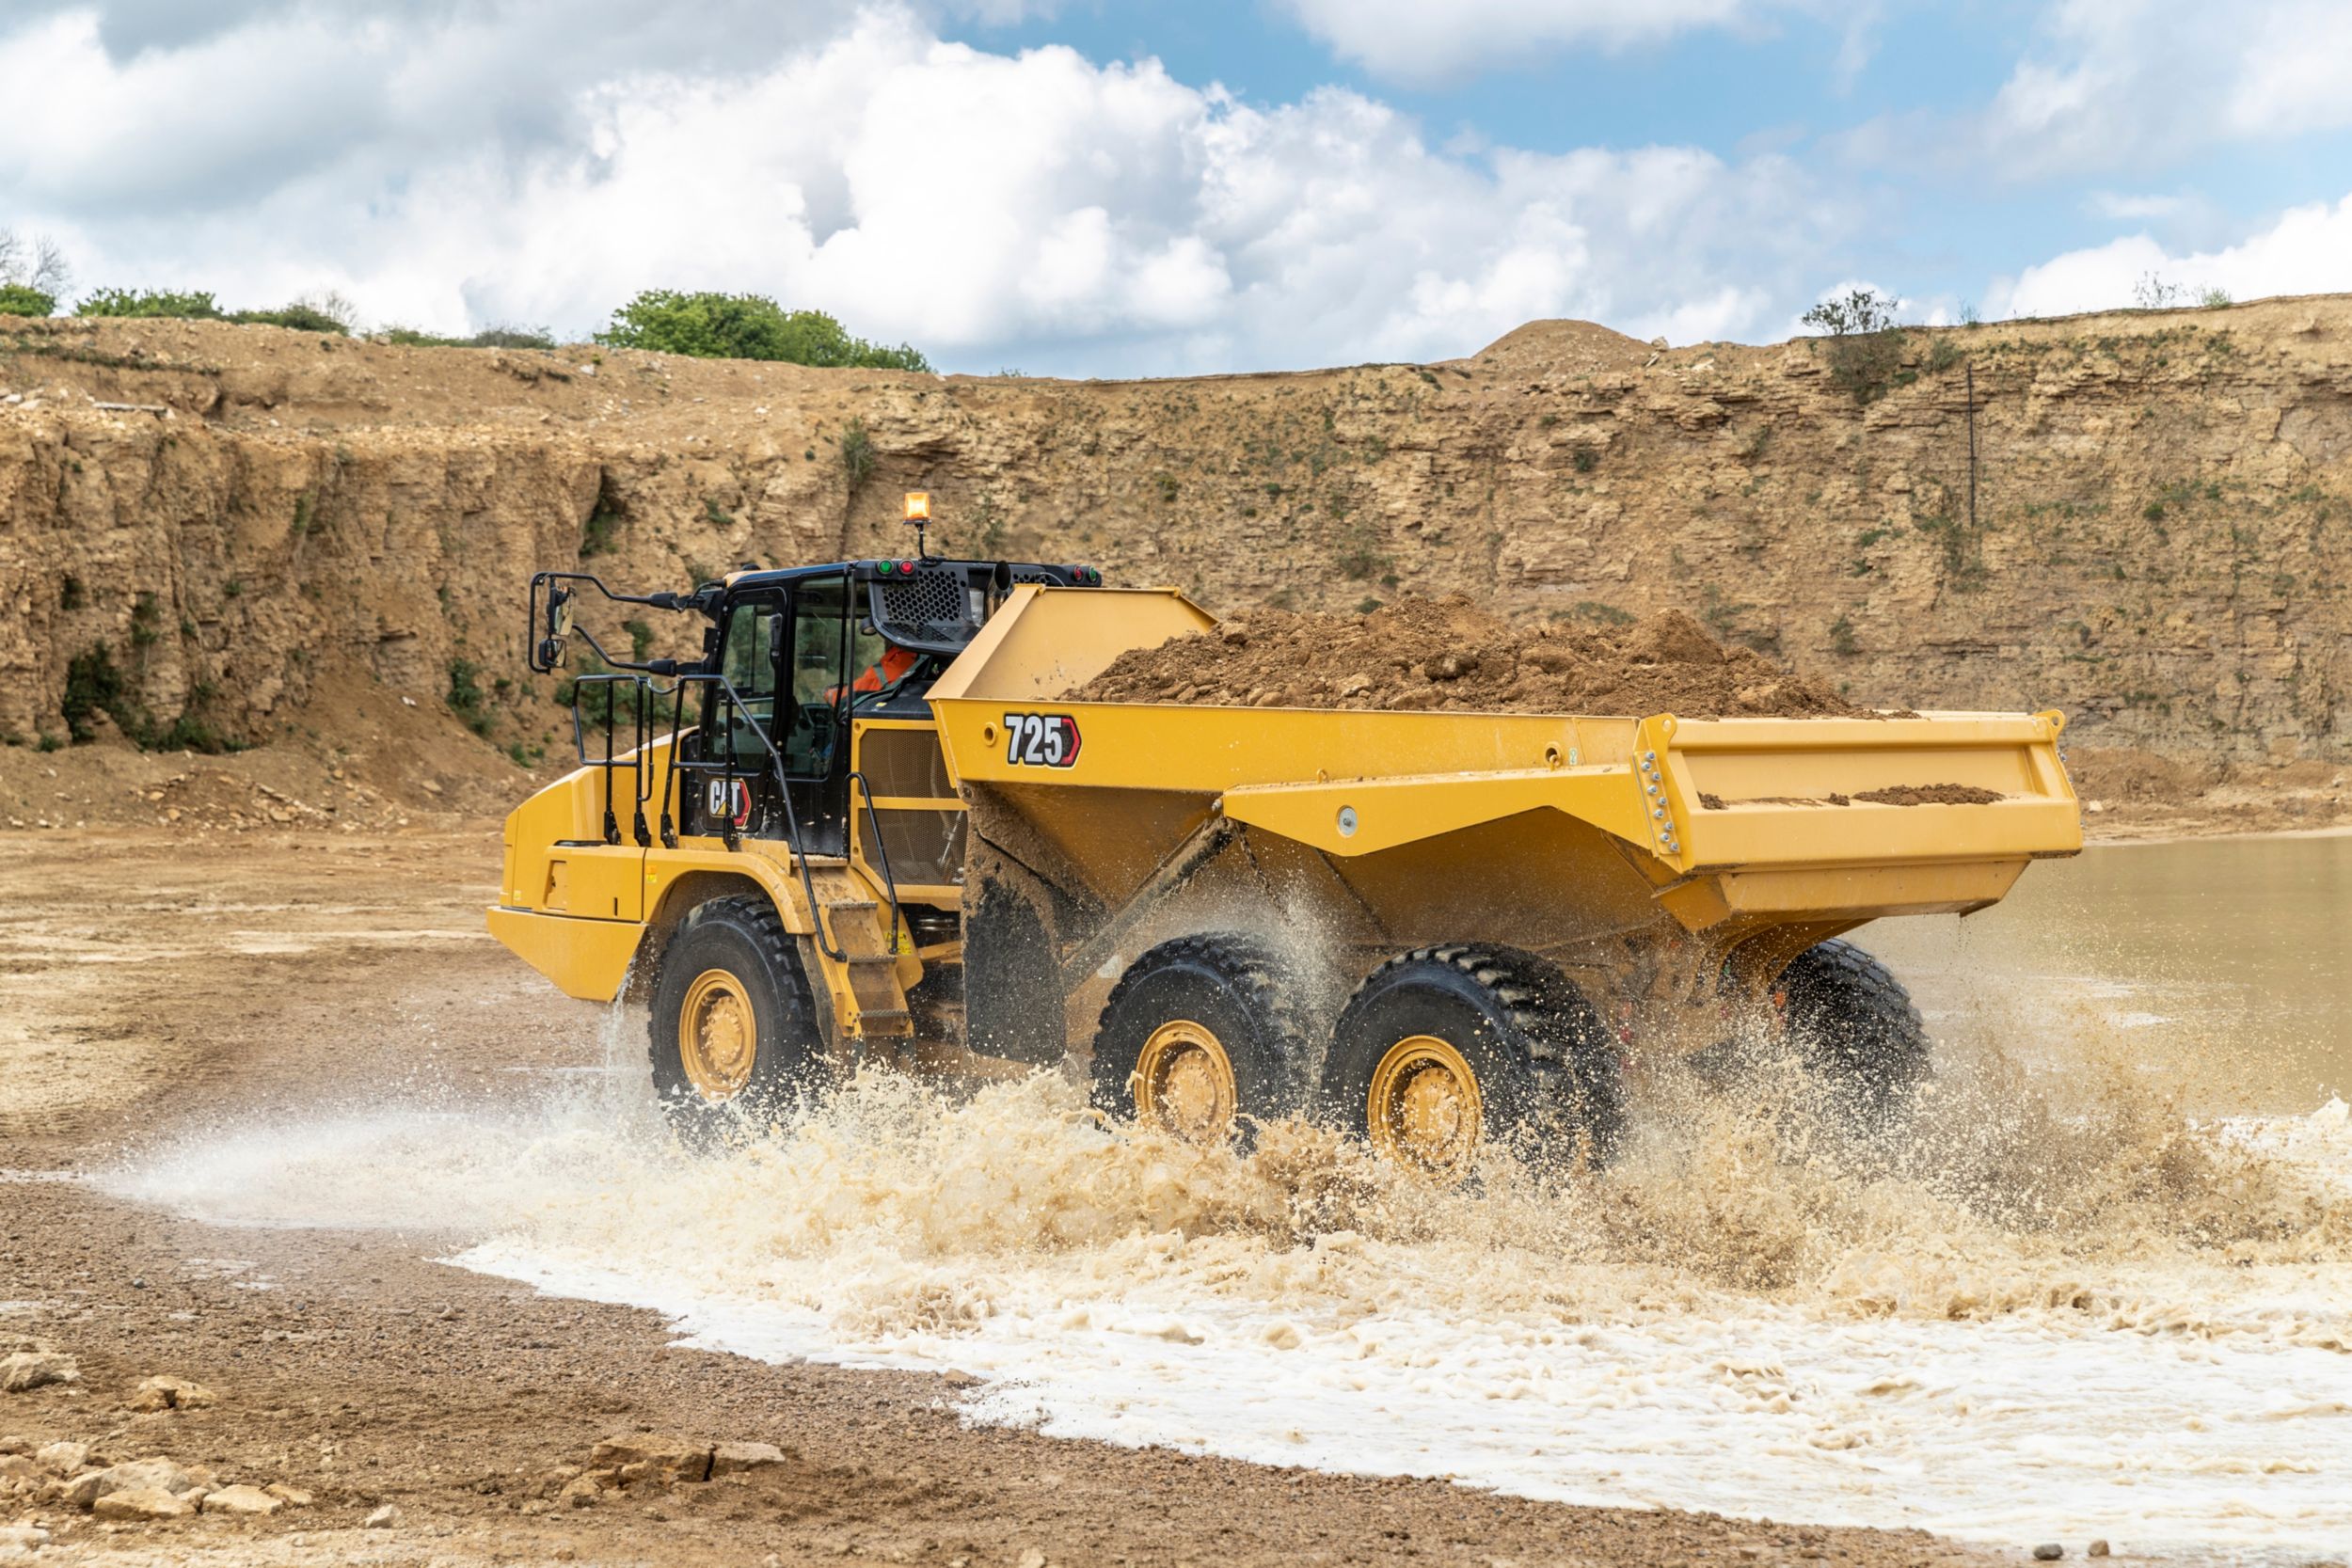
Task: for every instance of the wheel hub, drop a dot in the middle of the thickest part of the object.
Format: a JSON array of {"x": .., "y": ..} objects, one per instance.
[
  {"x": 1183, "y": 1081},
  {"x": 718, "y": 1036},
  {"x": 1424, "y": 1107}
]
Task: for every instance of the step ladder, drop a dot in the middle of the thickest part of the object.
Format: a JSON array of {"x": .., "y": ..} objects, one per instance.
[{"x": 869, "y": 1003}]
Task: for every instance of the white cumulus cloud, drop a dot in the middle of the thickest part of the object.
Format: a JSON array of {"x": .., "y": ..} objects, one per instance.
[
  {"x": 1033, "y": 209},
  {"x": 2307, "y": 251}
]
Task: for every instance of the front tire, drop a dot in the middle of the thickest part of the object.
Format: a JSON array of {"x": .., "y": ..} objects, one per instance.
[
  {"x": 1445, "y": 1048},
  {"x": 1201, "y": 1033},
  {"x": 733, "y": 1033}
]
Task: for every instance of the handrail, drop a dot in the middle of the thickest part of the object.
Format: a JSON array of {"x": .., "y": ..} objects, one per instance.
[
  {"x": 890, "y": 883},
  {"x": 645, "y": 688}
]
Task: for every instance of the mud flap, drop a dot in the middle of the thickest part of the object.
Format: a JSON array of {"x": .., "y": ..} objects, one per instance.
[{"x": 1012, "y": 1000}]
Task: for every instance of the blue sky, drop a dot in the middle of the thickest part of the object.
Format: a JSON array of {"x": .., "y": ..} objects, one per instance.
[{"x": 1095, "y": 187}]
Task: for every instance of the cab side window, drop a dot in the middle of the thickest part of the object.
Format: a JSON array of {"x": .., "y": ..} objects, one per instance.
[{"x": 820, "y": 657}]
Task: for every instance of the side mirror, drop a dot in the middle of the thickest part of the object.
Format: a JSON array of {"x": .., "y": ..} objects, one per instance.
[{"x": 559, "y": 626}]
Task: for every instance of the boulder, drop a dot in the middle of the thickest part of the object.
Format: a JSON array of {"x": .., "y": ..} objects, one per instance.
[
  {"x": 25, "y": 1370},
  {"x": 61, "y": 1458},
  {"x": 663, "y": 1460},
  {"x": 729, "y": 1458},
  {"x": 142, "y": 1502},
  {"x": 160, "y": 1475},
  {"x": 242, "y": 1500},
  {"x": 171, "y": 1393}
]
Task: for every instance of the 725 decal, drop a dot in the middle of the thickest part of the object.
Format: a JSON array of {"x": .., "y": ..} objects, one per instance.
[{"x": 1040, "y": 739}]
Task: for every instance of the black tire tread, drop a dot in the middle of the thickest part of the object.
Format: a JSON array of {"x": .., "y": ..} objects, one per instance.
[
  {"x": 1577, "y": 1087},
  {"x": 1856, "y": 1024},
  {"x": 756, "y": 917},
  {"x": 1260, "y": 977}
]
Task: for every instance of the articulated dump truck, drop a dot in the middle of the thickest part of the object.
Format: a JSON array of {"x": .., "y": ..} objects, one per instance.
[{"x": 870, "y": 824}]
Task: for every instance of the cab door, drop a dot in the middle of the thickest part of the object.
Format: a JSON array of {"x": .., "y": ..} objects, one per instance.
[{"x": 820, "y": 672}]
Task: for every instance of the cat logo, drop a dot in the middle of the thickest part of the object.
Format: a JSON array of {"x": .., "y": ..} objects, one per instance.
[{"x": 730, "y": 799}]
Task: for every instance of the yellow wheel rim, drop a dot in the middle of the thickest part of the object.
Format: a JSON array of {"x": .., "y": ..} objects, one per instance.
[
  {"x": 718, "y": 1036},
  {"x": 1183, "y": 1081},
  {"x": 1424, "y": 1107}
]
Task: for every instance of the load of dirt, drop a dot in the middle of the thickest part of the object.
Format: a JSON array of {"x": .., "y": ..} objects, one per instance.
[
  {"x": 1448, "y": 653},
  {"x": 1897, "y": 795},
  {"x": 1932, "y": 795}
]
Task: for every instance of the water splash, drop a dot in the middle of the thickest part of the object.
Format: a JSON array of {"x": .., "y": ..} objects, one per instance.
[{"x": 2036, "y": 1309}]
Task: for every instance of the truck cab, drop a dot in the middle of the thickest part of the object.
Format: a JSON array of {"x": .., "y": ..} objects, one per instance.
[{"x": 790, "y": 779}]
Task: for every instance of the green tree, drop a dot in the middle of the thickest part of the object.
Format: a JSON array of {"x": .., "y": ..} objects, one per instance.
[
  {"x": 747, "y": 326},
  {"x": 198, "y": 305},
  {"x": 23, "y": 299}
]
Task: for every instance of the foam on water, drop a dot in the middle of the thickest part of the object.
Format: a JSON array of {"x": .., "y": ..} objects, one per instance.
[{"x": 2048, "y": 1317}]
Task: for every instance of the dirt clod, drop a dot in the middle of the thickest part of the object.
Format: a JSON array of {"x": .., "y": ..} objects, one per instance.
[
  {"x": 1932, "y": 795},
  {"x": 1450, "y": 653}
]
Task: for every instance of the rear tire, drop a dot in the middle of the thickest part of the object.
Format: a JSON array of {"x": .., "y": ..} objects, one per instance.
[
  {"x": 1201, "y": 1033},
  {"x": 734, "y": 1031},
  {"x": 1445, "y": 1049},
  {"x": 1856, "y": 1030}
]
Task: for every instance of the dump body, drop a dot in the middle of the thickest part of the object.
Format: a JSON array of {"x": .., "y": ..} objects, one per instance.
[{"x": 1721, "y": 839}]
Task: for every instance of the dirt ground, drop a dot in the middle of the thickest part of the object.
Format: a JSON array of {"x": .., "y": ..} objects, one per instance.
[{"x": 152, "y": 981}]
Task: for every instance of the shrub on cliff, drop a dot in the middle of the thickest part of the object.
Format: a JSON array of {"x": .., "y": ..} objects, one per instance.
[
  {"x": 1865, "y": 346},
  {"x": 747, "y": 326},
  {"x": 489, "y": 336},
  {"x": 192, "y": 305},
  {"x": 328, "y": 312},
  {"x": 23, "y": 299}
]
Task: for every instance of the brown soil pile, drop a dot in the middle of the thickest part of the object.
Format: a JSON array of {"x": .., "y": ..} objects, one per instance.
[{"x": 1448, "y": 653}]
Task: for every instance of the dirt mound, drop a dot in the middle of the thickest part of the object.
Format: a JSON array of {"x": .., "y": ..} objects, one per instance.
[
  {"x": 1448, "y": 653},
  {"x": 1560, "y": 347}
]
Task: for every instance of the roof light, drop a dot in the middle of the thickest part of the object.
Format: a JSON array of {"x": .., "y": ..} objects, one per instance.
[{"x": 919, "y": 506}]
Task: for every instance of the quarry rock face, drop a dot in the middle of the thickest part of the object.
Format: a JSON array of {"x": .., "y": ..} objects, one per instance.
[{"x": 2152, "y": 533}]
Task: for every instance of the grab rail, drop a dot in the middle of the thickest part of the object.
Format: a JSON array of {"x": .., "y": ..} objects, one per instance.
[{"x": 646, "y": 692}]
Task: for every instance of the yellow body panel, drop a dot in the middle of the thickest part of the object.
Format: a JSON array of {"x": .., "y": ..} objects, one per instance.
[{"x": 587, "y": 959}]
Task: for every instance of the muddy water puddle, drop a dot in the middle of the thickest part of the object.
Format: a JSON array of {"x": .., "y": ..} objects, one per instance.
[
  {"x": 2228, "y": 962},
  {"x": 2100, "y": 1291}
]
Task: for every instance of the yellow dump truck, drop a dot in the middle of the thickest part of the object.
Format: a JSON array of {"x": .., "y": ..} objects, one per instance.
[{"x": 872, "y": 824}]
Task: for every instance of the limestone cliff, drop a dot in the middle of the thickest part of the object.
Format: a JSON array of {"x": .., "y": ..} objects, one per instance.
[{"x": 2152, "y": 533}]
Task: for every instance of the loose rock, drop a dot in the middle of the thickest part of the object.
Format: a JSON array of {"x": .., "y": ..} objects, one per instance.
[
  {"x": 729, "y": 1458},
  {"x": 249, "y": 1501},
  {"x": 293, "y": 1497},
  {"x": 665, "y": 1460},
  {"x": 27, "y": 1370},
  {"x": 20, "y": 1540},
  {"x": 2098, "y": 1548},
  {"x": 159, "y": 1474},
  {"x": 171, "y": 1393},
  {"x": 2049, "y": 1551},
  {"x": 142, "y": 1502},
  {"x": 383, "y": 1518},
  {"x": 62, "y": 1459}
]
